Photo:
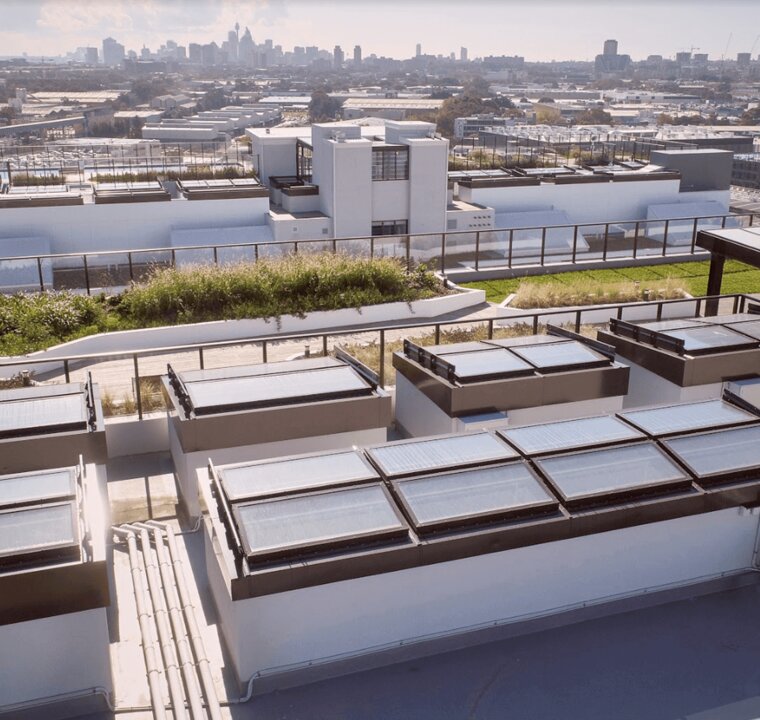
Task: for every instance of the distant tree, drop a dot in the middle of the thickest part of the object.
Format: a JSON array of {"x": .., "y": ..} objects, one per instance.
[
  {"x": 213, "y": 100},
  {"x": 322, "y": 107},
  {"x": 750, "y": 117},
  {"x": 594, "y": 116},
  {"x": 544, "y": 100},
  {"x": 548, "y": 116}
]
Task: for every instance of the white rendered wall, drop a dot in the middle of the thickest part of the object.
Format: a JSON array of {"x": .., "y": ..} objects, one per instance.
[
  {"x": 646, "y": 388},
  {"x": 390, "y": 200},
  {"x": 127, "y": 226},
  {"x": 273, "y": 156},
  {"x": 358, "y": 616},
  {"x": 187, "y": 465},
  {"x": 428, "y": 185},
  {"x": 352, "y": 188},
  {"x": 55, "y": 655}
]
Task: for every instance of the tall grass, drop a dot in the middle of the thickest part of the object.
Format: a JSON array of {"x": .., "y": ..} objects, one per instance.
[
  {"x": 294, "y": 285},
  {"x": 202, "y": 172}
]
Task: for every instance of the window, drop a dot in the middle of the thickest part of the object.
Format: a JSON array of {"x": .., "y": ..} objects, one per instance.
[
  {"x": 304, "y": 154},
  {"x": 390, "y": 227},
  {"x": 390, "y": 163}
]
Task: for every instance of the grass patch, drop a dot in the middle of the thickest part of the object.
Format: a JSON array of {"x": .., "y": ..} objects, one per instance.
[
  {"x": 202, "y": 172},
  {"x": 691, "y": 276},
  {"x": 294, "y": 285}
]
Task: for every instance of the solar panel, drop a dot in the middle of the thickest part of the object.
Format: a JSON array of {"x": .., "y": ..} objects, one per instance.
[
  {"x": 33, "y": 415},
  {"x": 32, "y": 487},
  {"x": 606, "y": 474},
  {"x": 674, "y": 419},
  {"x": 250, "y": 392},
  {"x": 287, "y": 475},
  {"x": 41, "y": 531},
  {"x": 238, "y": 371},
  {"x": 560, "y": 356},
  {"x": 472, "y": 495},
  {"x": 722, "y": 452},
  {"x": 710, "y": 338},
  {"x": 570, "y": 434},
  {"x": 489, "y": 363},
  {"x": 419, "y": 456},
  {"x": 305, "y": 524}
]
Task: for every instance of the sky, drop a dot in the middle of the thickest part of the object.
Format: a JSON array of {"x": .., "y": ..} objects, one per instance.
[{"x": 540, "y": 30}]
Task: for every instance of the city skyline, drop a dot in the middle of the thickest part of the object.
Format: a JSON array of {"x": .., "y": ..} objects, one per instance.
[{"x": 535, "y": 30}]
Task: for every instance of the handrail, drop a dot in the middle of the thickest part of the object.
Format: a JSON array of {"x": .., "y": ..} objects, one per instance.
[
  {"x": 529, "y": 317},
  {"x": 355, "y": 238}
]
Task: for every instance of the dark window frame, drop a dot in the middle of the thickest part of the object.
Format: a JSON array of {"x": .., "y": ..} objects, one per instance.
[
  {"x": 394, "y": 227},
  {"x": 389, "y": 168}
]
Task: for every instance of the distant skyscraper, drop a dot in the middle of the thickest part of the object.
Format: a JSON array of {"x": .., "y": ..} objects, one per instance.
[
  {"x": 610, "y": 47},
  {"x": 743, "y": 59},
  {"x": 357, "y": 55},
  {"x": 246, "y": 49},
  {"x": 91, "y": 55},
  {"x": 463, "y": 54},
  {"x": 418, "y": 49},
  {"x": 609, "y": 62},
  {"x": 232, "y": 46},
  {"x": 338, "y": 57},
  {"x": 683, "y": 58},
  {"x": 195, "y": 53},
  {"x": 113, "y": 52}
]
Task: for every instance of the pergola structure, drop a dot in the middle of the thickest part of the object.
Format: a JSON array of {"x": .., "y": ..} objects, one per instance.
[{"x": 737, "y": 244}]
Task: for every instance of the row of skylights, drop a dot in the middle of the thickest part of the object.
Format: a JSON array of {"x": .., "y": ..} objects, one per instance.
[{"x": 292, "y": 508}]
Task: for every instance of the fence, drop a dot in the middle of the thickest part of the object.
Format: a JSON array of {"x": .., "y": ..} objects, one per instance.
[
  {"x": 506, "y": 250},
  {"x": 133, "y": 367}
]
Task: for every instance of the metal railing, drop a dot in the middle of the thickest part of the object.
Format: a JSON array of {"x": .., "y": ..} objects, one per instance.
[
  {"x": 530, "y": 322},
  {"x": 505, "y": 249}
]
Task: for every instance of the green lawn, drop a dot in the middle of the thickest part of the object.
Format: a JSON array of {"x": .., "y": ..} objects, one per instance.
[{"x": 737, "y": 278}]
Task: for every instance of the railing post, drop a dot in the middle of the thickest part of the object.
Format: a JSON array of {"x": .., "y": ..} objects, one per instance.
[
  {"x": 66, "y": 373},
  {"x": 295, "y": 248},
  {"x": 543, "y": 245},
  {"x": 86, "y": 274},
  {"x": 694, "y": 235},
  {"x": 477, "y": 251},
  {"x": 381, "y": 374},
  {"x": 635, "y": 239},
  {"x": 131, "y": 268},
  {"x": 606, "y": 240},
  {"x": 575, "y": 244},
  {"x": 437, "y": 334},
  {"x": 372, "y": 247},
  {"x": 535, "y": 324},
  {"x": 443, "y": 253},
  {"x": 264, "y": 351},
  {"x": 200, "y": 358},
  {"x": 39, "y": 274},
  {"x": 256, "y": 252},
  {"x": 138, "y": 389},
  {"x": 334, "y": 246},
  {"x": 736, "y": 304},
  {"x": 216, "y": 255},
  {"x": 324, "y": 345},
  {"x": 659, "y": 310},
  {"x": 509, "y": 249},
  {"x": 408, "y": 253},
  {"x": 490, "y": 328},
  {"x": 723, "y": 223},
  {"x": 174, "y": 258},
  {"x": 577, "y": 321},
  {"x": 665, "y": 238}
]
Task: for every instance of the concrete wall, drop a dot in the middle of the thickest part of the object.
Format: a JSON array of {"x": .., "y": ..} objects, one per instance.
[
  {"x": 127, "y": 226},
  {"x": 428, "y": 187},
  {"x": 352, "y": 187},
  {"x": 275, "y": 156},
  {"x": 272, "y": 633},
  {"x": 55, "y": 655},
  {"x": 646, "y": 388}
]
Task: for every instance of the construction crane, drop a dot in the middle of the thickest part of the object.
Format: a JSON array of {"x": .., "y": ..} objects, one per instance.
[
  {"x": 754, "y": 45},
  {"x": 728, "y": 42}
]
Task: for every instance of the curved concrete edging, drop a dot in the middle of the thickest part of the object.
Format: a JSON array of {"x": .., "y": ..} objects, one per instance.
[{"x": 149, "y": 339}]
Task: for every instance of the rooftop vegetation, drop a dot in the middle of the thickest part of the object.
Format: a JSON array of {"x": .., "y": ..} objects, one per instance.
[{"x": 293, "y": 285}]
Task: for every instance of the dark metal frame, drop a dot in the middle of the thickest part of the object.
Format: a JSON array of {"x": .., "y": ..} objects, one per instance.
[
  {"x": 372, "y": 475},
  {"x": 394, "y": 150},
  {"x": 370, "y": 449},
  {"x": 299, "y": 550},
  {"x": 615, "y": 497},
  {"x": 528, "y": 511}
]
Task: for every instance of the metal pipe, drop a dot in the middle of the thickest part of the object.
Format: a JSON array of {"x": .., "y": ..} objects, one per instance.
[
  {"x": 188, "y": 610},
  {"x": 149, "y": 649},
  {"x": 162, "y": 625},
  {"x": 180, "y": 635}
]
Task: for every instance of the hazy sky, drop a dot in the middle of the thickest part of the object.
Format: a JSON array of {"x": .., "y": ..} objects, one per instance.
[{"x": 537, "y": 29}]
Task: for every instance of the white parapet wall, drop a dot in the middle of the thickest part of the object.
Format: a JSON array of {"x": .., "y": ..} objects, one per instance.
[{"x": 272, "y": 635}]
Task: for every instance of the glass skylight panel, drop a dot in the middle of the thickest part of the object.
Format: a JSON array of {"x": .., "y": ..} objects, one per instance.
[
  {"x": 495, "y": 362},
  {"x": 21, "y": 417},
  {"x": 524, "y": 340},
  {"x": 557, "y": 356},
  {"x": 594, "y": 474},
  {"x": 673, "y": 419},
  {"x": 45, "y": 527},
  {"x": 730, "y": 451},
  {"x": 289, "y": 475},
  {"x": 238, "y": 371},
  {"x": 751, "y": 328},
  {"x": 729, "y": 319},
  {"x": 454, "y": 498},
  {"x": 419, "y": 456},
  {"x": 662, "y": 325},
  {"x": 311, "y": 385},
  {"x": 460, "y": 347},
  {"x": 569, "y": 434},
  {"x": 708, "y": 338},
  {"x": 32, "y": 487},
  {"x": 319, "y": 521}
]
